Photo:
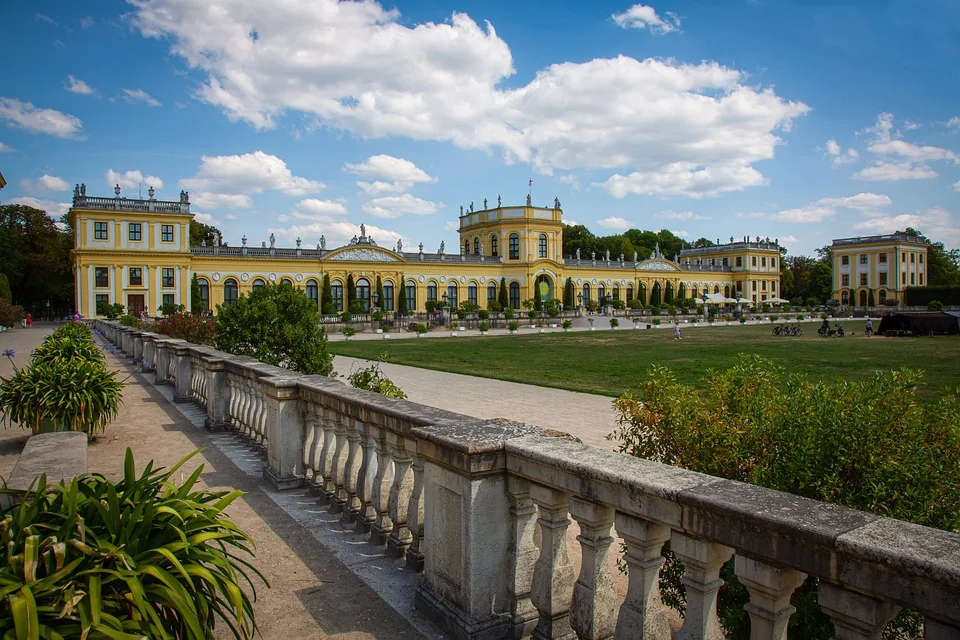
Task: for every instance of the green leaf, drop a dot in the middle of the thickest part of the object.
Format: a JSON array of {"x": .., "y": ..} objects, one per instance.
[{"x": 23, "y": 609}]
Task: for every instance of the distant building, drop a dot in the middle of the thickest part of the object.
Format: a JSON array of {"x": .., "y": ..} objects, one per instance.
[
  {"x": 885, "y": 265},
  {"x": 137, "y": 252}
]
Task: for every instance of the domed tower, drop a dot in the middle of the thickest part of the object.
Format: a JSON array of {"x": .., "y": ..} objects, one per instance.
[{"x": 518, "y": 235}]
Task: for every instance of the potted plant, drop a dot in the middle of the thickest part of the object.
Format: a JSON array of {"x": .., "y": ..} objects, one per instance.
[
  {"x": 774, "y": 318},
  {"x": 656, "y": 322},
  {"x": 420, "y": 329},
  {"x": 349, "y": 332},
  {"x": 509, "y": 313},
  {"x": 743, "y": 320},
  {"x": 799, "y": 316},
  {"x": 614, "y": 323},
  {"x": 483, "y": 327},
  {"x": 636, "y": 322},
  {"x": 513, "y": 326},
  {"x": 590, "y": 321},
  {"x": 567, "y": 324}
]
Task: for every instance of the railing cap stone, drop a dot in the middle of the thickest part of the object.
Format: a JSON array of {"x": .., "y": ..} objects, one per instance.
[{"x": 475, "y": 447}]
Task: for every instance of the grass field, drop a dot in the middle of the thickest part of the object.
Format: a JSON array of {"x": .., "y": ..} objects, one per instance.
[{"x": 607, "y": 362}]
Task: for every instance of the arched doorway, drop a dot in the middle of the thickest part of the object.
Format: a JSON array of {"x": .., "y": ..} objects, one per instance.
[
  {"x": 548, "y": 294},
  {"x": 882, "y": 296},
  {"x": 863, "y": 298},
  {"x": 726, "y": 292}
]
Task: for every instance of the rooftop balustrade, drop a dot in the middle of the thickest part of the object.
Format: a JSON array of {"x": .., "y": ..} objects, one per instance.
[{"x": 462, "y": 499}]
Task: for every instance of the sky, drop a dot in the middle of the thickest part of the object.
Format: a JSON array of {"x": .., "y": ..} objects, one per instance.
[{"x": 803, "y": 121}]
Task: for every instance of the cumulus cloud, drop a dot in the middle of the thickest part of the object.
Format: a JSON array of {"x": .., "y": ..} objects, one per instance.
[
  {"x": 935, "y": 222},
  {"x": 86, "y": 22},
  {"x": 229, "y": 181},
  {"x": 389, "y": 174},
  {"x": 139, "y": 95},
  {"x": 614, "y": 222},
  {"x": 76, "y": 85},
  {"x": 838, "y": 156},
  {"x": 54, "y": 209},
  {"x": 374, "y": 76},
  {"x": 899, "y": 159},
  {"x": 956, "y": 185},
  {"x": 891, "y": 171},
  {"x": 50, "y": 121},
  {"x": 205, "y": 218},
  {"x": 133, "y": 179},
  {"x": 338, "y": 232},
  {"x": 641, "y": 17},
  {"x": 4, "y": 148},
  {"x": 313, "y": 209},
  {"x": 397, "y": 206},
  {"x": 684, "y": 178},
  {"x": 954, "y": 122},
  {"x": 45, "y": 182},
  {"x": 681, "y": 215},
  {"x": 824, "y": 208}
]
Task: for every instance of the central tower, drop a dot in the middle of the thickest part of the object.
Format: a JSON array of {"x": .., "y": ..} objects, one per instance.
[{"x": 523, "y": 234}]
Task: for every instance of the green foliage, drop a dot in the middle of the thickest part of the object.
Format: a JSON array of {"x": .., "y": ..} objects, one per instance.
[
  {"x": 420, "y": 328},
  {"x": 569, "y": 296},
  {"x": 5, "y": 287},
  {"x": 346, "y": 317},
  {"x": 935, "y": 305},
  {"x": 109, "y": 311},
  {"x": 431, "y": 306},
  {"x": 277, "y": 325},
  {"x": 503, "y": 296},
  {"x": 128, "y": 320},
  {"x": 509, "y": 313},
  {"x": 537, "y": 298},
  {"x": 532, "y": 314},
  {"x": 203, "y": 233},
  {"x": 867, "y": 445},
  {"x": 614, "y": 323},
  {"x": 461, "y": 314},
  {"x": 349, "y": 331},
  {"x": 10, "y": 314},
  {"x": 870, "y": 298},
  {"x": 326, "y": 298},
  {"x": 402, "y": 309},
  {"x": 567, "y": 324},
  {"x": 656, "y": 321},
  {"x": 141, "y": 557},
  {"x": 483, "y": 314},
  {"x": 351, "y": 291},
  {"x": 922, "y": 296},
  {"x": 189, "y": 327},
  {"x": 35, "y": 257},
  {"x": 774, "y": 318},
  {"x": 513, "y": 325},
  {"x": 197, "y": 304},
  {"x": 357, "y": 307},
  {"x": 381, "y": 301},
  {"x": 372, "y": 379},
  {"x": 170, "y": 308}
]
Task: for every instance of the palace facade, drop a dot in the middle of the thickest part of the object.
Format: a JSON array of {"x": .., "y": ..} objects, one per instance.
[
  {"x": 137, "y": 252},
  {"x": 884, "y": 265}
]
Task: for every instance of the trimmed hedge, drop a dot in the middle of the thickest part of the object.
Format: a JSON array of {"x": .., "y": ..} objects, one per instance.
[{"x": 922, "y": 296}]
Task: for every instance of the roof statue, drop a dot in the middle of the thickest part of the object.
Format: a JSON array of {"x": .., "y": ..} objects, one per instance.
[
  {"x": 471, "y": 206},
  {"x": 621, "y": 257},
  {"x": 298, "y": 243},
  {"x": 529, "y": 200},
  {"x": 273, "y": 241},
  {"x": 399, "y": 245},
  {"x": 83, "y": 190},
  {"x": 461, "y": 209},
  {"x": 441, "y": 247},
  {"x": 608, "y": 255},
  {"x": 634, "y": 256},
  {"x": 578, "y": 253},
  {"x": 484, "y": 204},
  {"x": 731, "y": 239},
  {"x": 353, "y": 240},
  {"x": 421, "y": 247},
  {"x": 363, "y": 230},
  {"x": 244, "y": 240},
  {"x": 556, "y": 203},
  {"x": 499, "y": 202},
  {"x": 323, "y": 242}
]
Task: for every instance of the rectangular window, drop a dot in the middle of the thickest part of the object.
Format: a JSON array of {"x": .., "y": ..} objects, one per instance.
[
  {"x": 101, "y": 276},
  {"x": 514, "y": 247},
  {"x": 754, "y": 283},
  {"x": 863, "y": 279},
  {"x": 166, "y": 276},
  {"x": 763, "y": 262},
  {"x": 913, "y": 278},
  {"x": 903, "y": 257},
  {"x": 863, "y": 258},
  {"x": 411, "y": 297},
  {"x": 903, "y": 278},
  {"x": 432, "y": 292},
  {"x": 726, "y": 262},
  {"x": 921, "y": 279},
  {"x": 845, "y": 280},
  {"x": 166, "y": 233},
  {"x": 134, "y": 232},
  {"x": 882, "y": 259},
  {"x": 136, "y": 277},
  {"x": 921, "y": 258},
  {"x": 753, "y": 261},
  {"x": 336, "y": 290},
  {"x": 100, "y": 231},
  {"x": 388, "y": 296},
  {"x": 773, "y": 286},
  {"x": 883, "y": 277},
  {"x": 773, "y": 262},
  {"x": 472, "y": 294},
  {"x": 102, "y": 299},
  {"x": 844, "y": 260},
  {"x": 739, "y": 261},
  {"x": 515, "y": 295},
  {"x": 168, "y": 298},
  {"x": 913, "y": 258}
]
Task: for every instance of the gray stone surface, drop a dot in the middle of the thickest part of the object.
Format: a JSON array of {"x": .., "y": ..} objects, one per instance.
[{"x": 61, "y": 456}]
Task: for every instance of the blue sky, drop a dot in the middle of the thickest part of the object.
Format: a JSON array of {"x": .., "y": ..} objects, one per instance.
[{"x": 804, "y": 121}]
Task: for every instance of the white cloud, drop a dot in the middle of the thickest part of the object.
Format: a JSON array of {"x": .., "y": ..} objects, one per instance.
[
  {"x": 205, "y": 218},
  {"x": 86, "y": 22},
  {"x": 375, "y": 77},
  {"x": 47, "y": 19},
  {"x": 139, "y": 95},
  {"x": 314, "y": 209},
  {"x": 389, "y": 174},
  {"x": 338, "y": 233},
  {"x": 396, "y": 206},
  {"x": 838, "y": 156},
  {"x": 913, "y": 152},
  {"x": 571, "y": 180},
  {"x": 681, "y": 234},
  {"x": 684, "y": 178},
  {"x": 956, "y": 185},
  {"x": 53, "y": 209},
  {"x": 954, "y": 122},
  {"x": 910, "y": 125},
  {"x": 45, "y": 182},
  {"x": 824, "y": 208},
  {"x": 4, "y": 148},
  {"x": 787, "y": 240},
  {"x": 896, "y": 171},
  {"x": 229, "y": 181},
  {"x": 451, "y": 225},
  {"x": 936, "y": 223},
  {"x": 49, "y": 121},
  {"x": 133, "y": 179},
  {"x": 614, "y": 222},
  {"x": 76, "y": 85},
  {"x": 641, "y": 17},
  {"x": 681, "y": 215}
]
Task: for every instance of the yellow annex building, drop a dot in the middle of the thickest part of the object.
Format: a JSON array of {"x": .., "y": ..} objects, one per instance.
[
  {"x": 884, "y": 265},
  {"x": 137, "y": 253}
]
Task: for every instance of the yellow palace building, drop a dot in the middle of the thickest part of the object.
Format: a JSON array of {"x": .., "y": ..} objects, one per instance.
[
  {"x": 884, "y": 265},
  {"x": 137, "y": 252}
]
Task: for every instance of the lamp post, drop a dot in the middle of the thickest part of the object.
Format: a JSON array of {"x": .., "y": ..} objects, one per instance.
[
  {"x": 580, "y": 304},
  {"x": 737, "y": 296},
  {"x": 444, "y": 310},
  {"x": 48, "y": 309}
]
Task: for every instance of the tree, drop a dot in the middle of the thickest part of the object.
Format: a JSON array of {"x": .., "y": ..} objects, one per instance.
[
  {"x": 326, "y": 299},
  {"x": 943, "y": 267},
  {"x": 351, "y": 291},
  {"x": 578, "y": 237},
  {"x": 503, "y": 298},
  {"x": 383, "y": 302},
  {"x": 278, "y": 325},
  {"x": 568, "y": 295},
  {"x": 203, "y": 233},
  {"x": 537, "y": 297},
  {"x": 870, "y": 297},
  {"x": 402, "y": 299},
  {"x": 35, "y": 256},
  {"x": 197, "y": 305},
  {"x": 5, "y": 287}
]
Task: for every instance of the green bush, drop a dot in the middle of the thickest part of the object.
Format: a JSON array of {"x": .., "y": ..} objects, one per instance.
[
  {"x": 128, "y": 320},
  {"x": 865, "y": 445},
  {"x": 614, "y": 323},
  {"x": 799, "y": 316},
  {"x": 420, "y": 328},
  {"x": 656, "y": 321},
  {"x": 346, "y": 316},
  {"x": 169, "y": 309},
  {"x": 431, "y": 306},
  {"x": 277, "y": 325},
  {"x": 141, "y": 557},
  {"x": 567, "y": 324},
  {"x": 372, "y": 379},
  {"x": 513, "y": 325},
  {"x": 483, "y": 326},
  {"x": 774, "y": 318},
  {"x": 10, "y": 314},
  {"x": 349, "y": 331},
  {"x": 935, "y": 305},
  {"x": 743, "y": 320},
  {"x": 461, "y": 314},
  {"x": 109, "y": 311},
  {"x": 483, "y": 314}
]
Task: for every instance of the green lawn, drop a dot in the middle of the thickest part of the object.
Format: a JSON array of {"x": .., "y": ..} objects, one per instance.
[{"x": 607, "y": 362}]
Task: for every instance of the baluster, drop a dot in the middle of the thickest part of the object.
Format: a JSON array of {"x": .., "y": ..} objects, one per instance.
[
  {"x": 701, "y": 577},
  {"x": 251, "y": 400},
  {"x": 522, "y": 556},
  {"x": 855, "y": 616},
  {"x": 309, "y": 424},
  {"x": 260, "y": 418},
  {"x": 553, "y": 573},
  {"x": 643, "y": 614},
  {"x": 329, "y": 485},
  {"x": 415, "y": 555},
  {"x": 339, "y": 497},
  {"x": 770, "y": 590},
  {"x": 400, "y": 537},
  {"x": 367, "y": 514},
  {"x": 380, "y": 498},
  {"x": 232, "y": 412},
  {"x": 593, "y": 605},
  {"x": 351, "y": 472},
  {"x": 242, "y": 399}
]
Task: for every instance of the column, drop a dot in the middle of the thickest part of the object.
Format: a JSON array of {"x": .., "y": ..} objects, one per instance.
[
  {"x": 855, "y": 616},
  {"x": 643, "y": 614},
  {"x": 702, "y": 562},
  {"x": 183, "y": 364},
  {"x": 593, "y": 606},
  {"x": 284, "y": 426},
  {"x": 522, "y": 556},
  {"x": 770, "y": 590},
  {"x": 218, "y": 395},
  {"x": 380, "y": 497},
  {"x": 400, "y": 538},
  {"x": 553, "y": 574}
]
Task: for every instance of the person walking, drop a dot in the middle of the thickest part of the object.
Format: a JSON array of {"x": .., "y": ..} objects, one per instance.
[
  {"x": 869, "y": 329},
  {"x": 676, "y": 332},
  {"x": 29, "y": 321}
]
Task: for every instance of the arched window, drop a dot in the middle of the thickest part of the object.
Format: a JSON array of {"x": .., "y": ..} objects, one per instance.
[
  {"x": 387, "y": 302},
  {"x": 844, "y": 298},
  {"x": 336, "y": 290},
  {"x": 204, "y": 293},
  {"x": 693, "y": 292},
  {"x": 230, "y": 292},
  {"x": 259, "y": 283},
  {"x": 543, "y": 245},
  {"x": 586, "y": 293},
  {"x": 472, "y": 293},
  {"x": 726, "y": 291},
  {"x": 514, "y": 247},
  {"x": 313, "y": 291},
  {"x": 432, "y": 291},
  {"x": 494, "y": 245},
  {"x": 452, "y": 295},
  {"x": 863, "y": 298},
  {"x": 629, "y": 293},
  {"x": 476, "y": 246},
  {"x": 287, "y": 281},
  {"x": 601, "y": 294},
  {"x": 466, "y": 247},
  {"x": 616, "y": 292},
  {"x": 716, "y": 289},
  {"x": 363, "y": 292},
  {"x": 411, "y": 295},
  {"x": 491, "y": 292},
  {"x": 515, "y": 295},
  {"x": 882, "y": 296}
]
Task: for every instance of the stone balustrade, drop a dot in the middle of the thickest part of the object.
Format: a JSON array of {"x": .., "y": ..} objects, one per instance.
[{"x": 483, "y": 508}]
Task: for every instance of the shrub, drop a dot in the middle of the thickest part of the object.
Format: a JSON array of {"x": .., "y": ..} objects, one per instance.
[
  {"x": 109, "y": 311},
  {"x": 10, "y": 314},
  {"x": 728, "y": 317},
  {"x": 567, "y": 324},
  {"x": 185, "y": 326},
  {"x": 372, "y": 379},
  {"x": 137, "y": 558},
  {"x": 483, "y": 314},
  {"x": 349, "y": 331},
  {"x": 655, "y": 310},
  {"x": 799, "y": 316},
  {"x": 509, "y": 313},
  {"x": 614, "y": 323},
  {"x": 169, "y": 309},
  {"x": 277, "y": 325},
  {"x": 483, "y": 326},
  {"x": 774, "y": 318},
  {"x": 532, "y": 314},
  {"x": 461, "y": 314},
  {"x": 743, "y": 320},
  {"x": 935, "y": 305},
  {"x": 513, "y": 325},
  {"x": 656, "y": 321},
  {"x": 635, "y": 304},
  {"x": 430, "y": 306},
  {"x": 419, "y": 328},
  {"x": 494, "y": 306},
  {"x": 128, "y": 320},
  {"x": 865, "y": 445},
  {"x": 619, "y": 304}
]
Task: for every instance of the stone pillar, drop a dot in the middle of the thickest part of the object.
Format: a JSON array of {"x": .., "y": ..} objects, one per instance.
[
  {"x": 855, "y": 616},
  {"x": 770, "y": 591},
  {"x": 593, "y": 608},
  {"x": 522, "y": 556},
  {"x": 184, "y": 365},
  {"x": 284, "y": 425},
  {"x": 328, "y": 486},
  {"x": 164, "y": 347},
  {"x": 367, "y": 514},
  {"x": 137, "y": 348},
  {"x": 338, "y": 464},
  {"x": 351, "y": 473},
  {"x": 553, "y": 574},
  {"x": 701, "y": 577},
  {"x": 400, "y": 538},
  {"x": 126, "y": 341},
  {"x": 149, "y": 352},
  {"x": 415, "y": 509},
  {"x": 380, "y": 496},
  {"x": 218, "y": 395},
  {"x": 643, "y": 614}
]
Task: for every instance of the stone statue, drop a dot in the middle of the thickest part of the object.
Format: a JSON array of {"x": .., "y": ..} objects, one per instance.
[
  {"x": 471, "y": 206},
  {"x": 182, "y": 193},
  {"x": 203, "y": 242},
  {"x": 621, "y": 257},
  {"x": 363, "y": 230},
  {"x": 634, "y": 256},
  {"x": 323, "y": 242},
  {"x": 244, "y": 240},
  {"x": 758, "y": 239},
  {"x": 441, "y": 246},
  {"x": 83, "y": 190},
  {"x": 481, "y": 248},
  {"x": 399, "y": 245},
  {"x": 461, "y": 209},
  {"x": 656, "y": 250},
  {"x": 298, "y": 243},
  {"x": 776, "y": 241},
  {"x": 76, "y": 191},
  {"x": 499, "y": 202},
  {"x": 263, "y": 244},
  {"x": 608, "y": 255},
  {"x": 273, "y": 241},
  {"x": 578, "y": 253},
  {"x": 484, "y": 204},
  {"x": 217, "y": 239},
  {"x": 529, "y": 200},
  {"x": 556, "y": 203},
  {"x": 353, "y": 240},
  {"x": 421, "y": 247},
  {"x": 593, "y": 255},
  {"x": 731, "y": 239}
]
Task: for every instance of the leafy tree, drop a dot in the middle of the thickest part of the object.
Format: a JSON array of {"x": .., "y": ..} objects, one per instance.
[
  {"x": 870, "y": 297},
  {"x": 537, "y": 297},
  {"x": 203, "y": 233},
  {"x": 278, "y": 325},
  {"x": 197, "y": 304},
  {"x": 943, "y": 266},
  {"x": 351, "y": 291},
  {"x": 379, "y": 290},
  {"x": 504, "y": 298},
  {"x": 402, "y": 300},
  {"x": 326, "y": 298},
  {"x": 5, "y": 287},
  {"x": 568, "y": 295},
  {"x": 35, "y": 256},
  {"x": 578, "y": 237}
]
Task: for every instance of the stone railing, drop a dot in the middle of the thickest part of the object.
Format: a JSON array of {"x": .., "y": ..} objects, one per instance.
[
  {"x": 483, "y": 508},
  {"x": 127, "y": 204}
]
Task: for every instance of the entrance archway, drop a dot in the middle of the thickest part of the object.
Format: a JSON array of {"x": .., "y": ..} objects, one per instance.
[
  {"x": 549, "y": 281},
  {"x": 863, "y": 298}
]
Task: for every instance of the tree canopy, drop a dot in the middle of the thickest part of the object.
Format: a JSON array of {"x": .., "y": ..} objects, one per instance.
[
  {"x": 633, "y": 240},
  {"x": 203, "y": 233},
  {"x": 35, "y": 256}
]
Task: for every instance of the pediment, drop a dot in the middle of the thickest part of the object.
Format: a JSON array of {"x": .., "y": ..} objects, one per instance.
[
  {"x": 657, "y": 265},
  {"x": 362, "y": 254}
]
